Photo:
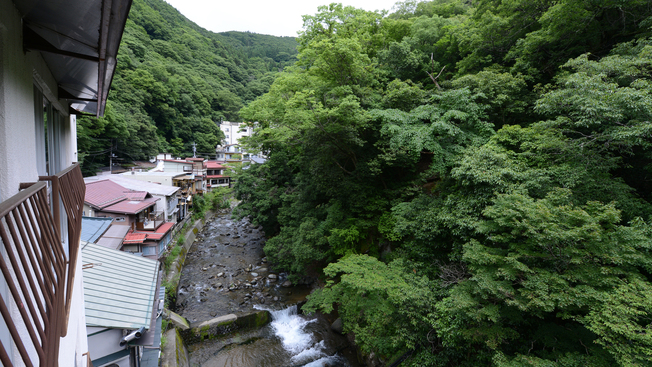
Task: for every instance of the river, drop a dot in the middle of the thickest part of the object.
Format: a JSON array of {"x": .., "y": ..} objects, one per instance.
[{"x": 226, "y": 272}]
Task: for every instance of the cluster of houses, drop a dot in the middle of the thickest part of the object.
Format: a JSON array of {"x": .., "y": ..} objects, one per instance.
[
  {"x": 137, "y": 211},
  {"x": 80, "y": 280}
]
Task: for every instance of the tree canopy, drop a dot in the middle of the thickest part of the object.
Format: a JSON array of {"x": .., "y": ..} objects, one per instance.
[{"x": 468, "y": 178}]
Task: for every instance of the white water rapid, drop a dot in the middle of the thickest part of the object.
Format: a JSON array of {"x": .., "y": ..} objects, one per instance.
[{"x": 298, "y": 335}]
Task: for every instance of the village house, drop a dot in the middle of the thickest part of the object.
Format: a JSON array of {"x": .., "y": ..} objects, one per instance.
[
  {"x": 179, "y": 180},
  {"x": 168, "y": 195},
  {"x": 194, "y": 183},
  {"x": 216, "y": 175},
  {"x": 101, "y": 231},
  {"x": 148, "y": 234},
  {"x": 56, "y": 59}
]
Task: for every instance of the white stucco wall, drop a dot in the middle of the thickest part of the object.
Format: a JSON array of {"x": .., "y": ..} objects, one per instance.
[
  {"x": 170, "y": 166},
  {"x": 75, "y": 344},
  {"x": 19, "y": 72},
  {"x": 103, "y": 342},
  {"x": 17, "y": 141},
  {"x": 232, "y": 130}
]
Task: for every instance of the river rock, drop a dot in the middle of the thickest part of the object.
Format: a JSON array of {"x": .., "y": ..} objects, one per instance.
[
  {"x": 219, "y": 275},
  {"x": 254, "y": 274},
  {"x": 286, "y": 284},
  {"x": 336, "y": 326},
  {"x": 272, "y": 276}
]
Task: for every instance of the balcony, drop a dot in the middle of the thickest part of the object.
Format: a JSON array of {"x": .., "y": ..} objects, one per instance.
[
  {"x": 151, "y": 221},
  {"x": 38, "y": 266}
]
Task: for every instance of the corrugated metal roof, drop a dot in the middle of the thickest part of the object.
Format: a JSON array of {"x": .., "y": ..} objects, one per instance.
[
  {"x": 159, "y": 233},
  {"x": 136, "y": 195},
  {"x": 114, "y": 236},
  {"x": 132, "y": 238},
  {"x": 131, "y": 207},
  {"x": 93, "y": 228},
  {"x": 214, "y": 165},
  {"x": 120, "y": 288}
]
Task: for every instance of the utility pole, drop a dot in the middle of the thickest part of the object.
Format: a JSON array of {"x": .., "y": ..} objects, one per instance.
[
  {"x": 111, "y": 158},
  {"x": 194, "y": 150}
]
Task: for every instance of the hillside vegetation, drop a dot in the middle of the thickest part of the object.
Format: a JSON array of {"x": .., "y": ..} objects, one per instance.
[
  {"x": 175, "y": 82},
  {"x": 469, "y": 179}
]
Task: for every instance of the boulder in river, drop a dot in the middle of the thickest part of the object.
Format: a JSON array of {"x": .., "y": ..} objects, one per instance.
[
  {"x": 336, "y": 326},
  {"x": 286, "y": 284}
]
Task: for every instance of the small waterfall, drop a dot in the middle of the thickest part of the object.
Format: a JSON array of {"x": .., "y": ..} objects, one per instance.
[{"x": 292, "y": 329}]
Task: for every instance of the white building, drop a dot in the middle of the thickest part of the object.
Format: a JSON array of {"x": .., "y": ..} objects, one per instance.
[
  {"x": 233, "y": 131},
  {"x": 230, "y": 150},
  {"x": 55, "y": 57}
]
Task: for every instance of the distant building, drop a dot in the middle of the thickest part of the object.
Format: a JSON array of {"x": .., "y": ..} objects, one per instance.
[
  {"x": 216, "y": 175},
  {"x": 193, "y": 168},
  {"x": 229, "y": 150},
  {"x": 233, "y": 131}
]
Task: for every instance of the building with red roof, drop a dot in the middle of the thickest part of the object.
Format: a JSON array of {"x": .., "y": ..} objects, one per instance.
[
  {"x": 151, "y": 244},
  {"x": 216, "y": 175},
  {"x": 135, "y": 209},
  {"x": 148, "y": 232}
]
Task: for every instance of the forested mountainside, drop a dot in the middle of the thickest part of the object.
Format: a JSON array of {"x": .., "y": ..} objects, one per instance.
[
  {"x": 469, "y": 179},
  {"x": 174, "y": 82}
]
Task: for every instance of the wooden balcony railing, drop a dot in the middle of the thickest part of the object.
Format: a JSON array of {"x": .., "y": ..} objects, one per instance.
[
  {"x": 69, "y": 186},
  {"x": 38, "y": 273},
  {"x": 152, "y": 222}
]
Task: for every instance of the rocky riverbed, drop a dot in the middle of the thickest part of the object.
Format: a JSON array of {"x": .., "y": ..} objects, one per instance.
[{"x": 226, "y": 272}]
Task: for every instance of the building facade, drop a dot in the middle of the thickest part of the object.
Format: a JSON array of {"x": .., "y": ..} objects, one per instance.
[{"x": 55, "y": 57}]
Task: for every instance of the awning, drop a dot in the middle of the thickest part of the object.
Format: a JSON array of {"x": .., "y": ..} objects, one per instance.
[{"x": 79, "y": 42}]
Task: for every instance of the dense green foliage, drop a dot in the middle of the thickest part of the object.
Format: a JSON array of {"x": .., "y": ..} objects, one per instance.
[
  {"x": 174, "y": 83},
  {"x": 470, "y": 178}
]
